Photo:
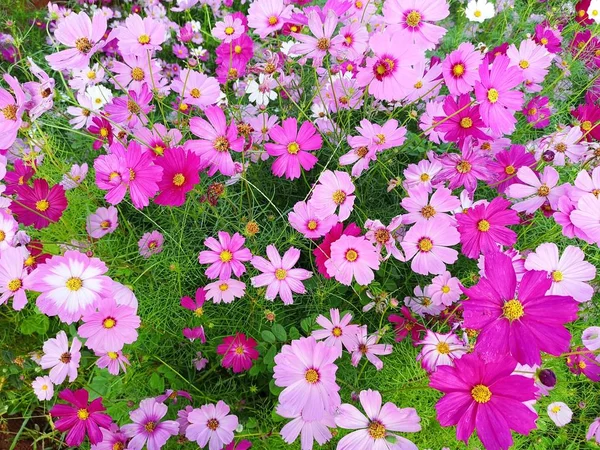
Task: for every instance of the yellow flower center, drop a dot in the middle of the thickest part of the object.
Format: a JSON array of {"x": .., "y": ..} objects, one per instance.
[
  {"x": 239, "y": 350},
  {"x": 91, "y": 75},
  {"x": 582, "y": 365},
  {"x": 237, "y": 49},
  {"x": 483, "y": 225},
  {"x": 336, "y": 331},
  {"x": 413, "y": 19},
  {"x": 523, "y": 64},
  {"x": 382, "y": 236},
  {"x": 481, "y": 393},
  {"x": 293, "y": 148},
  {"x": 424, "y": 177},
  {"x": 509, "y": 170},
  {"x": 195, "y": 92},
  {"x": 312, "y": 225},
  {"x": 418, "y": 84},
  {"x": 323, "y": 44},
  {"x": 532, "y": 111},
  {"x": 463, "y": 167},
  {"x": 144, "y": 39},
  {"x": 544, "y": 41},
  {"x": 428, "y": 211},
  {"x": 229, "y": 31},
  {"x": 338, "y": 197},
  {"x": 83, "y": 414},
  {"x": 226, "y": 256},
  {"x": 445, "y": 289},
  {"x": 586, "y": 125},
  {"x": 376, "y": 430},
  {"x": 273, "y": 20},
  {"x": 113, "y": 355},
  {"x": 561, "y": 147},
  {"x": 109, "y": 323},
  {"x": 425, "y": 245},
  {"x": 513, "y": 310},
  {"x": 280, "y": 274},
  {"x": 458, "y": 70},
  {"x": 557, "y": 276},
  {"x": 212, "y": 424},
  {"x": 74, "y": 283},
  {"x": 555, "y": 409},
  {"x": 312, "y": 376},
  {"x": 492, "y": 95},
  {"x": 543, "y": 190},
  {"x": 137, "y": 74},
  {"x": 44, "y": 387},
  {"x": 443, "y": 348},
  {"x": 2, "y": 236},
  {"x": 351, "y": 255},
  {"x": 42, "y": 205},
  {"x": 178, "y": 179},
  {"x": 466, "y": 122},
  {"x": 477, "y": 13},
  {"x": 221, "y": 144},
  {"x": 223, "y": 287},
  {"x": 15, "y": 285},
  {"x": 133, "y": 107},
  {"x": 83, "y": 45},
  {"x": 105, "y": 224},
  {"x": 150, "y": 426}
]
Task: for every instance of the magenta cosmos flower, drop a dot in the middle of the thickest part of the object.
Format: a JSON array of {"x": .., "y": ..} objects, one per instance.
[
  {"x": 83, "y": 37},
  {"x": 71, "y": 285},
  {"x": 292, "y": 147},
  {"x": 353, "y": 258},
  {"x": 306, "y": 370},
  {"x": 428, "y": 243},
  {"x": 506, "y": 163},
  {"x": 14, "y": 279},
  {"x": 405, "y": 325},
  {"x": 336, "y": 332},
  {"x": 312, "y": 225},
  {"x": 411, "y": 18},
  {"x": 323, "y": 250},
  {"x": 462, "y": 119},
  {"x": 195, "y": 305},
  {"x": 279, "y": 275},
  {"x": 517, "y": 319},
  {"x": 460, "y": 69},
  {"x": 570, "y": 273},
  {"x": 138, "y": 36},
  {"x": 333, "y": 193},
  {"x": 104, "y": 221},
  {"x": 238, "y": 352},
  {"x": 376, "y": 430},
  {"x": 180, "y": 175},
  {"x": 80, "y": 419},
  {"x": 217, "y": 140},
  {"x": 367, "y": 346},
  {"x": 114, "y": 362},
  {"x": 483, "y": 227},
  {"x": 62, "y": 361},
  {"x": 225, "y": 256},
  {"x": 494, "y": 91},
  {"x": 440, "y": 350},
  {"x": 147, "y": 427},
  {"x": 485, "y": 396},
  {"x": 211, "y": 424},
  {"x": 39, "y": 205},
  {"x": 110, "y": 328},
  {"x": 464, "y": 169},
  {"x": 131, "y": 110}
]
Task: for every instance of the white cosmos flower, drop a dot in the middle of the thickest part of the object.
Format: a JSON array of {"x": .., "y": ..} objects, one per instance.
[{"x": 479, "y": 10}]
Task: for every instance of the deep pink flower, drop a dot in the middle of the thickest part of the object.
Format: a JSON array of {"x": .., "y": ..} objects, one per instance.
[
  {"x": 464, "y": 169},
  {"x": 39, "y": 205},
  {"x": 518, "y": 320},
  {"x": 506, "y": 164},
  {"x": 537, "y": 112},
  {"x": 485, "y": 396},
  {"x": 196, "y": 304},
  {"x": 405, "y": 325},
  {"x": 462, "y": 120},
  {"x": 584, "y": 362},
  {"x": 225, "y": 256},
  {"x": 460, "y": 69},
  {"x": 195, "y": 333},
  {"x": 588, "y": 116},
  {"x": 292, "y": 147},
  {"x": 20, "y": 175},
  {"x": 238, "y": 352},
  {"x": 180, "y": 175},
  {"x": 103, "y": 129},
  {"x": 81, "y": 419}
]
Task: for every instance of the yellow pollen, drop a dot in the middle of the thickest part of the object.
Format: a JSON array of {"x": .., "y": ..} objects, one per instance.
[
  {"x": 311, "y": 376},
  {"x": 65, "y": 358},
  {"x": 183, "y": 107},
  {"x": 338, "y": 197},
  {"x": 150, "y": 426},
  {"x": 15, "y": 285},
  {"x": 221, "y": 144},
  {"x": 582, "y": 365},
  {"x": 413, "y": 18},
  {"x": 178, "y": 179},
  {"x": 481, "y": 393},
  {"x": 544, "y": 41},
  {"x": 273, "y": 20},
  {"x": 466, "y": 122},
  {"x": 42, "y": 205},
  {"x": 561, "y": 147},
  {"x": 351, "y": 255},
  {"x": 2, "y": 236},
  {"x": 381, "y": 69},
  {"x": 477, "y": 13},
  {"x": 428, "y": 211},
  {"x": 44, "y": 387},
  {"x": 445, "y": 289},
  {"x": 381, "y": 138},
  {"x": 144, "y": 39},
  {"x": 239, "y": 350},
  {"x": 223, "y": 287},
  {"x": 336, "y": 331},
  {"x": 159, "y": 150},
  {"x": 358, "y": 4},
  {"x": 105, "y": 224},
  {"x": 376, "y": 430},
  {"x": 513, "y": 310},
  {"x": 30, "y": 261},
  {"x": 463, "y": 167},
  {"x": 458, "y": 70},
  {"x": 83, "y": 45},
  {"x": 104, "y": 132},
  {"x": 557, "y": 276},
  {"x": 418, "y": 84},
  {"x": 83, "y": 414},
  {"x": 532, "y": 112},
  {"x": 323, "y": 44},
  {"x": 293, "y": 148},
  {"x": 113, "y": 355},
  {"x": 509, "y": 170},
  {"x": 10, "y": 112},
  {"x": 543, "y": 190},
  {"x": 131, "y": 175},
  {"x": 237, "y": 49},
  {"x": 586, "y": 125},
  {"x": 348, "y": 40},
  {"x": 492, "y": 95},
  {"x": 226, "y": 256},
  {"x": 555, "y": 409},
  {"x": 424, "y": 177},
  {"x": 382, "y": 236},
  {"x": 109, "y": 323},
  {"x": 425, "y": 245},
  {"x": 280, "y": 274},
  {"x": 74, "y": 284},
  {"x": 483, "y": 225},
  {"x": 195, "y": 92},
  {"x": 443, "y": 348},
  {"x": 229, "y": 31},
  {"x": 212, "y": 424},
  {"x": 133, "y": 107},
  {"x": 137, "y": 74},
  {"x": 523, "y": 64},
  {"x": 91, "y": 75},
  {"x": 311, "y": 225}
]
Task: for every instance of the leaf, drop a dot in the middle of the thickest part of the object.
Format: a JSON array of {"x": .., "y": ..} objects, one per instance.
[
  {"x": 268, "y": 336},
  {"x": 37, "y": 323},
  {"x": 269, "y": 358},
  {"x": 306, "y": 325},
  {"x": 294, "y": 333},
  {"x": 157, "y": 383},
  {"x": 279, "y": 332},
  {"x": 274, "y": 389},
  {"x": 251, "y": 423}
]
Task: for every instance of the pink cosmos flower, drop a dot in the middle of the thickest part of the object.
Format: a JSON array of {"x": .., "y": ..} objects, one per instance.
[
  {"x": 195, "y": 333},
  {"x": 306, "y": 369},
  {"x": 62, "y": 361},
  {"x": 39, "y": 205},
  {"x": 308, "y": 430},
  {"x": 83, "y": 37},
  {"x": 139, "y": 36},
  {"x": 197, "y": 89},
  {"x": 217, "y": 139},
  {"x": 336, "y": 332},
  {"x": 564, "y": 144},
  {"x": 11, "y": 109},
  {"x": 421, "y": 208},
  {"x": 405, "y": 324},
  {"x": 365, "y": 345},
  {"x": 225, "y": 291},
  {"x": 292, "y": 147},
  {"x": 14, "y": 279},
  {"x": 563, "y": 217},
  {"x": 352, "y": 258},
  {"x": 332, "y": 193},
  {"x": 428, "y": 243},
  {"x": 411, "y": 18},
  {"x": 386, "y": 237},
  {"x": 112, "y": 439},
  {"x": 537, "y": 112},
  {"x": 537, "y": 191},
  {"x": 71, "y": 285},
  {"x": 533, "y": 60},
  {"x": 353, "y": 44},
  {"x": 380, "y": 137},
  {"x": 196, "y": 304},
  {"x": 483, "y": 227},
  {"x": 115, "y": 362},
  {"x": 591, "y": 338},
  {"x": 594, "y": 431},
  {"x": 135, "y": 71},
  {"x": 268, "y": 16},
  {"x": 111, "y": 327},
  {"x": 440, "y": 350},
  {"x": 322, "y": 41},
  {"x": 131, "y": 110},
  {"x": 520, "y": 320},
  {"x": 461, "y": 120},
  {"x": 150, "y": 243},
  {"x": 494, "y": 91},
  {"x": 421, "y": 174},
  {"x": 484, "y": 396},
  {"x": 104, "y": 221},
  {"x": 238, "y": 352},
  {"x": 584, "y": 362},
  {"x": 584, "y": 184},
  {"x": 211, "y": 424},
  {"x": 360, "y": 156},
  {"x": 179, "y": 176},
  {"x": 445, "y": 289},
  {"x": 147, "y": 428},
  {"x": 569, "y": 272},
  {"x": 420, "y": 302},
  {"x": 506, "y": 164},
  {"x": 228, "y": 29},
  {"x": 306, "y": 221},
  {"x": 559, "y": 413},
  {"x": 43, "y": 388},
  {"x": 460, "y": 68},
  {"x": 74, "y": 177},
  {"x": 464, "y": 169},
  {"x": 375, "y": 431},
  {"x": 279, "y": 275},
  {"x": 8, "y": 229},
  {"x": 323, "y": 251},
  {"x": 388, "y": 73},
  {"x": 225, "y": 256},
  {"x": 81, "y": 419}
]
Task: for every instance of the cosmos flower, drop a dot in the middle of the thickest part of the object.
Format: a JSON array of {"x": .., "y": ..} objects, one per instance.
[
  {"x": 43, "y": 388},
  {"x": 352, "y": 258},
  {"x": 559, "y": 413},
  {"x": 439, "y": 350},
  {"x": 386, "y": 236},
  {"x": 214, "y": 418},
  {"x": 333, "y": 194},
  {"x": 147, "y": 427},
  {"x": 226, "y": 256},
  {"x": 413, "y": 19},
  {"x": 150, "y": 243},
  {"x": 308, "y": 430},
  {"x": 405, "y": 325},
  {"x": 104, "y": 221},
  {"x": 138, "y": 36},
  {"x": 268, "y": 16},
  {"x": 367, "y": 346},
  {"x": 336, "y": 332},
  {"x": 460, "y": 68},
  {"x": 14, "y": 278},
  {"x": 62, "y": 361},
  {"x": 238, "y": 352},
  {"x": 39, "y": 205},
  {"x": 179, "y": 176},
  {"x": 312, "y": 225},
  {"x": 535, "y": 190},
  {"x": 323, "y": 251},
  {"x": 225, "y": 291},
  {"x": 115, "y": 362},
  {"x": 422, "y": 208},
  {"x": 197, "y": 88}
]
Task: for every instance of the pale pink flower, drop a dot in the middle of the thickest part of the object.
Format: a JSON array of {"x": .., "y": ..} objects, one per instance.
[
  {"x": 14, "y": 279},
  {"x": 422, "y": 208},
  {"x": 440, "y": 350},
  {"x": 333, "y": 193},
  {"x": 196, "y": 88},
  {"x": 367, "y": 346},
  {"x": 445, "y": 289},
  {"x": 428, "y": 243},
  {"x": 336, "y": 332},
  {"x": 559, "y": 413},
  {"x": 536, "y": 191},
  {"x": 305, "y": 220},
  {"x": 139, "y": 36},
  {"x": 225, "y": 291},
  {"x": 352, "y": 258},
  {"x": 43, "y": 388},
  {"x": 62, "y": 360},
  {"x": 268, "y": 16},
  {"x": 386, "y": 237}
]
